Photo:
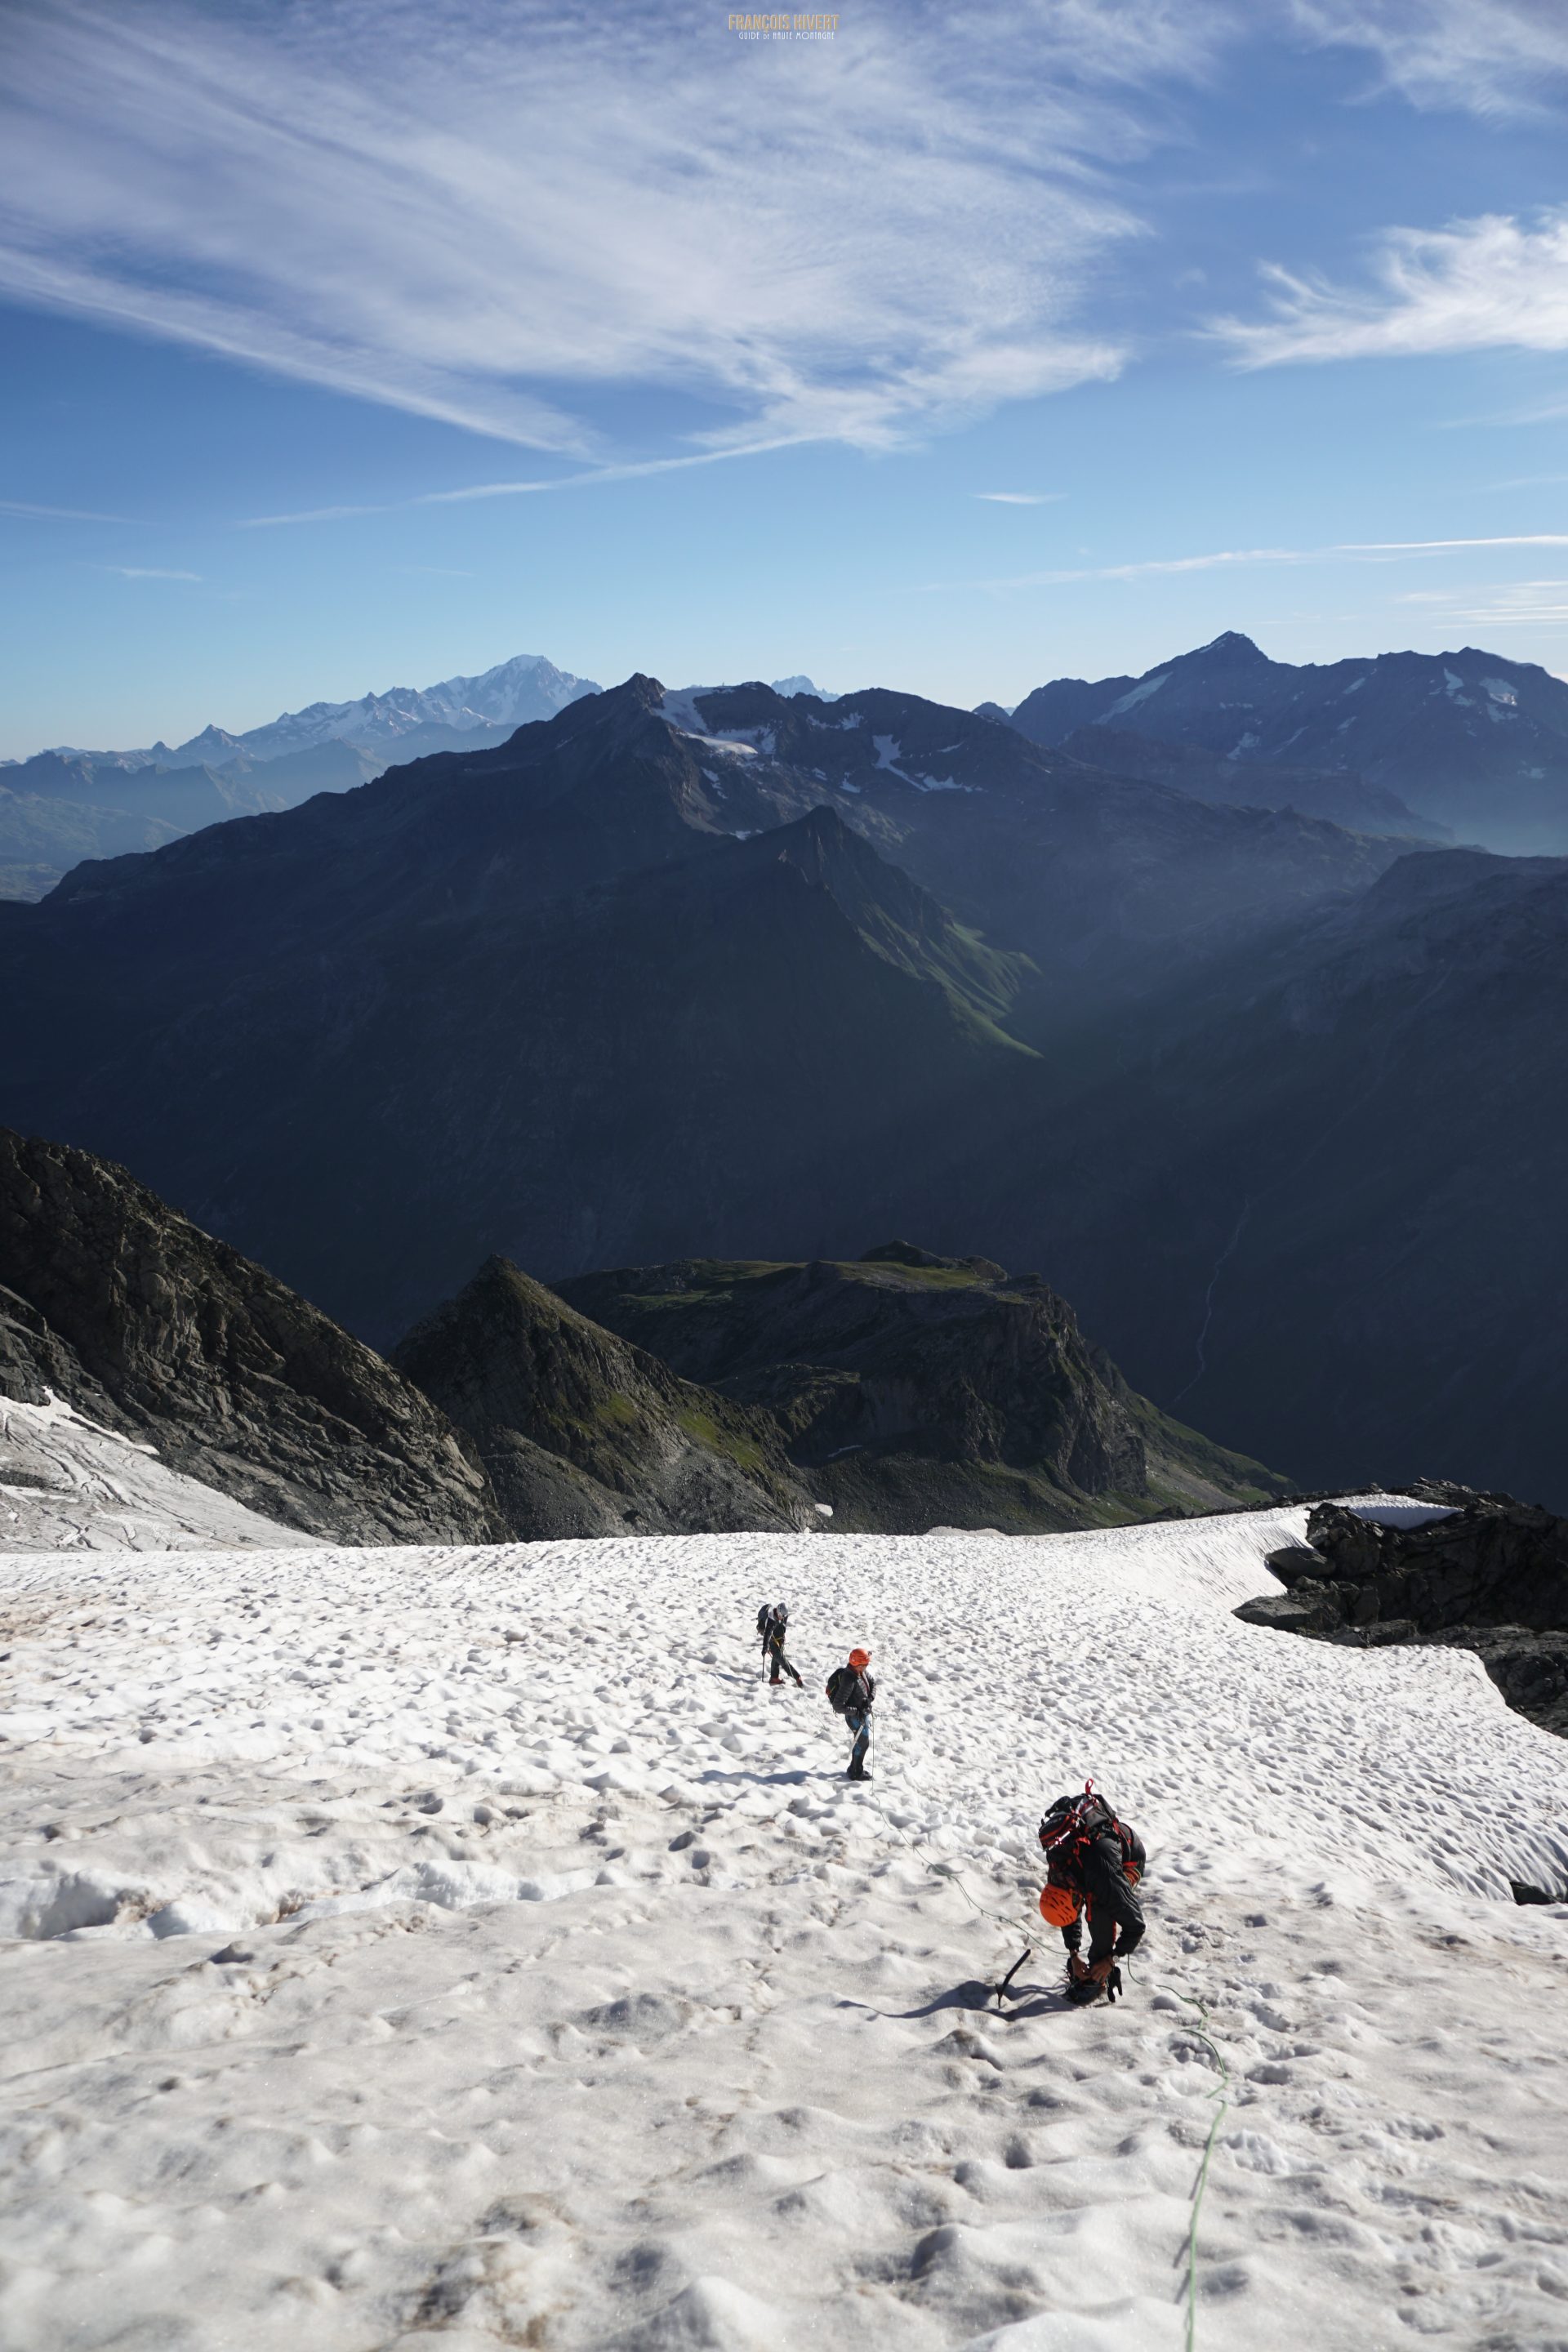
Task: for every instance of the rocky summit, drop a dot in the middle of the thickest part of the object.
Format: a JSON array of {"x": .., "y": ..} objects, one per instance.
[{"x": 585, "y": 1434}]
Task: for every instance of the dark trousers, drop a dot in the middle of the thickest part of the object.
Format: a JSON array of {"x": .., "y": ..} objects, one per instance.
[
  {"x": 773, "y": 1651},
  {"x": 858, "y": 1719},
  {"x": 1102, "y": 1932}
]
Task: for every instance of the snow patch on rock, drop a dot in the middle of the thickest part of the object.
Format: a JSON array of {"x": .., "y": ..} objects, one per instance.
[
  {"x": 1135, "y": 695},
  {"x": 67, "y": 1485}
]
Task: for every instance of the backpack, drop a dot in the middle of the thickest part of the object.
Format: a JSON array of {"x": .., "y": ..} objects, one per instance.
[
  {"x": 1079, "y": 1820},
  {"x": 773, "y": 1615},
  {"x": 841, "y": 1685}
]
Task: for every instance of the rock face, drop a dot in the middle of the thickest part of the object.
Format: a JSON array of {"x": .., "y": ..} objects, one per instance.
[
  {"x": 111, "y": 1301},
  {"x": 1491, "y": 1575},
  {"x": 584, "y": 1435},
  {"x": 914, "y": 1389}
]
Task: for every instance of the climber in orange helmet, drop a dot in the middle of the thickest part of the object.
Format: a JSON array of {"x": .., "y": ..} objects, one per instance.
[
  {"x": 1094, "y": 1864},
  {"x": 852, "y": 1692}
]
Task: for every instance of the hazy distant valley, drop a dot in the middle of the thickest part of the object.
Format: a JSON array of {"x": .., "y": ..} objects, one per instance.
[{"x": 1230, "y": 1033}]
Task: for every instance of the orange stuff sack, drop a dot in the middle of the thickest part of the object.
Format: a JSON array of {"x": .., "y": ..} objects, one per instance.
[{"x": 1058, "y": 1905}]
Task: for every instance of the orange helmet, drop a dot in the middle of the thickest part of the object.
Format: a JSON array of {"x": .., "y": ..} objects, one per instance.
[
  {"x": 1058, "y": 1905},
  {"x": 860, "y": 1657}
]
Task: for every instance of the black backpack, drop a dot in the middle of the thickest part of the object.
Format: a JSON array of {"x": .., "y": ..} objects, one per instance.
[
  {"x": 773, "y": 1616},
  {"x": 841, "y": 1685}
]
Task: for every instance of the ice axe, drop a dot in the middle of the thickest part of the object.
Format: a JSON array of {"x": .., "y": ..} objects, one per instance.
[{"x": 1002, "y": 1988}]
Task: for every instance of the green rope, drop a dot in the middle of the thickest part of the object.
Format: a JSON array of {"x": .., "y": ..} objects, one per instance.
[
  {"x": 1199, "y": 2033},
  {"x": 1220, "y": 2091}
]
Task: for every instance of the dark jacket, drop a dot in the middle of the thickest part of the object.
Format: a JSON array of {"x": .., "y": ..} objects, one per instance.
[
  {"x": 1095, "y": 1871},
  {"x": 861, "y": 1693}
]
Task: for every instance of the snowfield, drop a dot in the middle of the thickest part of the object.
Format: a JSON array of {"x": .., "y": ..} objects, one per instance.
[{"x": 466, "y": 1948}]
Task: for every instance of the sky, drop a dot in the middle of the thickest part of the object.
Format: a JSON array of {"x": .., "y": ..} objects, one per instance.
[{"x": 356, "y": 343}]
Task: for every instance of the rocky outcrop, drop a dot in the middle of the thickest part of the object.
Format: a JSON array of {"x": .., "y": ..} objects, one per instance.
[
  {"x": 914, "y": 1389},
  {"x": 584, "y": 1435},
  {"x": 1490, "y": 1575},
  {"x": 113, "y": 1302}
]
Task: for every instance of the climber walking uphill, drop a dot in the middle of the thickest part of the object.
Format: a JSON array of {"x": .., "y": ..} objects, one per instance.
[
  {"x": 1094, "y": 1864},
  {"x": 852, "y": 1692},
  {"x": 773, "y": 1624}
]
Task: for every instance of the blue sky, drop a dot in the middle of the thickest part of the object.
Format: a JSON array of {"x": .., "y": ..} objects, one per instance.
[{"x": 353, "y": 343}]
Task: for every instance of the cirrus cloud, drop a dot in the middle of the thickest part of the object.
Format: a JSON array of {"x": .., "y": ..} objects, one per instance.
[
  {"x": 1488, "y": 282},
  {"x": 490, "y": 213},
  {"x": 1485, "y": 57}
]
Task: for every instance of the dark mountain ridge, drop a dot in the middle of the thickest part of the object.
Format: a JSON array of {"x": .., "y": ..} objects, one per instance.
[
  {"x": 1475, "y": 742},
  {"x": 619, "y": 987},
  {"x": 675, "y": 974},
  {"x": 549, "y": 1002},
  {"x": 1109, "y": 883},
  {"x": 116, "y": 1305}
]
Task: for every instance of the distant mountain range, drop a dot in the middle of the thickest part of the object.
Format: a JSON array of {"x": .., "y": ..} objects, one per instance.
[
  {"x": 525, "y": 687},
  {"x": 700, "y": 975},
  {"x": 64, "y": 805},
  {"x": 1473, "y": 743},
  {"x": 653, "y": 977}
]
